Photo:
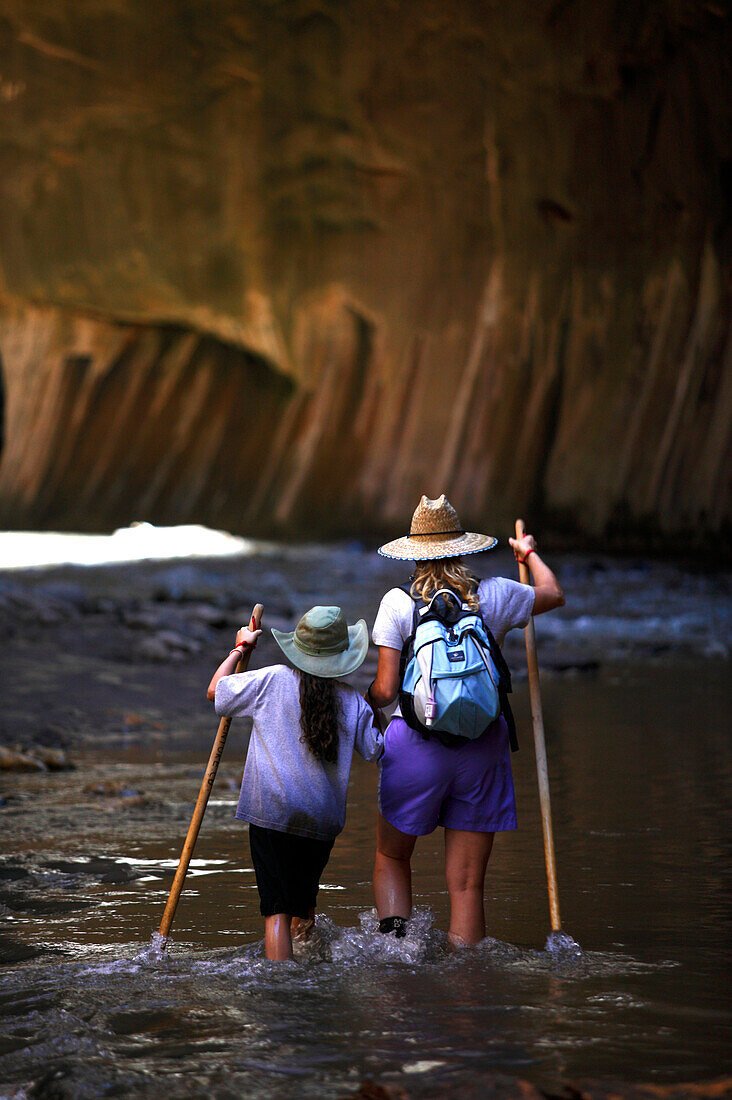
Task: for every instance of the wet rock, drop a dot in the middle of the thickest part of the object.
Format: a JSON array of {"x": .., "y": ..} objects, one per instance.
[
  {"x": 209, "y": 614},
  {"x": 152, "y": 617},
  {"x": 575, "y": 667},
  {"x": 56, "y": 1084},
  {"x": 15, "y": 760},
  {"x": 197, "y": 630},
  {"x": 104, "y": 606},
  {"x": 106, "y": 870},
  {"x": 63, "y": 594},
  {"x": 14, "y": 951},
  {"x": 118, "y": 874},
  {"x": 168, "y": 645},
  {"x": 54, "y": 759},
  {"x": 43, "y": 905},
  {"x": 143, "y": 619},
  {"x": 34, "y": 758},
  {"x": 11, "y": 872},
  {"x": 130, "y": 720},
  {"x": 145, "y": 1021},
  {"x": 186, "y": 583},
  {"x": 109, "y": 789}
]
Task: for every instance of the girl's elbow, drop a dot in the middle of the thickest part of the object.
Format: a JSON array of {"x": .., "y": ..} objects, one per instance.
[{"x": 211, "y": 694}]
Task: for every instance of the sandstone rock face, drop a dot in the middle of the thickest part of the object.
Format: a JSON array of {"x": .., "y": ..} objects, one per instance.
[{"x": 283, "y": 265}]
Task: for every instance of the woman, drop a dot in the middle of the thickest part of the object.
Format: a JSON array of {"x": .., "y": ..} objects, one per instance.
[{"x": 468, "y": 788}]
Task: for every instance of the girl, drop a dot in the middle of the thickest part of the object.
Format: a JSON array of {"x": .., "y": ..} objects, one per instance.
[
  {"x": 305, "y": 727},
  {"x": 467, "y": 788}
]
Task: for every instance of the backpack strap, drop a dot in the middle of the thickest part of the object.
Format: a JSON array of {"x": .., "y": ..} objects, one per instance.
[
  {"x": 417, "y": 605},
  {"x": 504, "y": 688},
  {"x": 504, "y": 682}
]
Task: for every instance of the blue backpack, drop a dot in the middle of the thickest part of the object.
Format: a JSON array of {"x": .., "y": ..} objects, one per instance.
[{"x": 454, "y": 679}]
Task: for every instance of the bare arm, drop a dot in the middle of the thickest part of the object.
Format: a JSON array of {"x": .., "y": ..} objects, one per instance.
[
  {"x": 547, "y": 590},
  {"x": 245, "y": 639},
  {"x": 385, "y": 687}
]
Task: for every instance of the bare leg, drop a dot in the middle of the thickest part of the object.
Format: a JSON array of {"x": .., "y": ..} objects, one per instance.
[
  {"x": 392, "y": 871},
  {"x": 466, "y": 859},
  {"x": 300, "y": 929},
  {"x": 277, "y": 938}
]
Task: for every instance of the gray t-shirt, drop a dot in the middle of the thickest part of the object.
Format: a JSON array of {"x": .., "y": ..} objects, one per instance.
[
  {"x": 504, "y": 604},
  {"x": 284, "y": 786}
]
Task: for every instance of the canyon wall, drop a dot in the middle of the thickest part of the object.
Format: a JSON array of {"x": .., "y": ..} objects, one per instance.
[{"x": 283, "y": 265}]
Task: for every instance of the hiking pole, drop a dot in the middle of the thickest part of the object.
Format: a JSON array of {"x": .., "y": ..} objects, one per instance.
[
  {"x": 203, "y": 797},
  {"x": 542, "y": 772}
]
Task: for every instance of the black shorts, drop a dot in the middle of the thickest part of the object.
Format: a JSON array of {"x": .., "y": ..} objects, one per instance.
[{"x": 288, "y": 870}]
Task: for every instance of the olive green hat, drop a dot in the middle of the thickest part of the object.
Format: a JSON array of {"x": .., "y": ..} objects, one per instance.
[{"x": 323, "y": 643}]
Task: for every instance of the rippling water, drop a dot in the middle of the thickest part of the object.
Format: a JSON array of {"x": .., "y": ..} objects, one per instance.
[{"x": 636, "y": 697}]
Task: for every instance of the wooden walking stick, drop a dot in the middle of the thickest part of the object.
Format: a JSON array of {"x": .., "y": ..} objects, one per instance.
[
  {"x": 203, "y": 797},
  {"x": 542, "y": 773}
]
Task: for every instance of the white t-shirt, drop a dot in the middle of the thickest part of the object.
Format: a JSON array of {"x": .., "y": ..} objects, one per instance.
[{"x": 504, "y": 604}]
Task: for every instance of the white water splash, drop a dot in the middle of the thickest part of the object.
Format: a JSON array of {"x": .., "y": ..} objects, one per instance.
[
  {"x": 156, "y": 954},
  {"x": 562, "y": 945},
  {"x": 367, "y": 944}
]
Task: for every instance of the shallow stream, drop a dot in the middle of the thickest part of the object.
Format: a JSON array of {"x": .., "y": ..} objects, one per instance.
[{"x": 636, "y": 698}]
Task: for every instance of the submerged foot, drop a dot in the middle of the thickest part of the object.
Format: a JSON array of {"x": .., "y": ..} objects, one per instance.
[
  {"x": 457, "y": 943},
  {"x": 301, "y": 930},
  {"x": 397, "y": 925}
]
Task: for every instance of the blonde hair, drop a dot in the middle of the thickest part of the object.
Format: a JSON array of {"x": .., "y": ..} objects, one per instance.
[{"x": 431, "y": 576}]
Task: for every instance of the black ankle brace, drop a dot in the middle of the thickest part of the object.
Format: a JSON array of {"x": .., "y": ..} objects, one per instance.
[{"x": 397, "y": 925}]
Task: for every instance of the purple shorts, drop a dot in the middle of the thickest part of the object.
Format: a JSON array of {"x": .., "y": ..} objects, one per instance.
[{"x": 423, "y": 783}]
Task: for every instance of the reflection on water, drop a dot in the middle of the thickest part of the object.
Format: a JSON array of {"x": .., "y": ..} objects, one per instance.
[
  {"x": 640, "y": 768},
  {"x": 640, "y": 833}
]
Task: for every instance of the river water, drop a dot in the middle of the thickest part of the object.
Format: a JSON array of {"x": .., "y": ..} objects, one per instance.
[{"x": 636, "y": 699}]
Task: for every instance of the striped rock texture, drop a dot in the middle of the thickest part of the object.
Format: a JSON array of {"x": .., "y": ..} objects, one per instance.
[{"x": 285, "y": 265}]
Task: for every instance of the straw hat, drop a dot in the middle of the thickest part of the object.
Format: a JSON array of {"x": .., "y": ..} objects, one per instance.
[
  {"x": 436, "y": 532},
  {"x": 323, "y": 643}
]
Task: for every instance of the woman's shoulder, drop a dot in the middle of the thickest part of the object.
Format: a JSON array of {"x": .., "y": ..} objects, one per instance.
[
  {"x": 498, "y": 586},
  {"x": 396, "y": 598},
  {"x": 393, "y": 618},
  {"x": 505, "y": 603}
]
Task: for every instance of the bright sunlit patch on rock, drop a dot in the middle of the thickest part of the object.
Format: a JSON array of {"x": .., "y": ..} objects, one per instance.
[{"x": 140, "y": 541}]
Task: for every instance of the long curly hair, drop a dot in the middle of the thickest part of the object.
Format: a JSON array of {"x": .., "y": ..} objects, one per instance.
[
  {"x": 430, "y": 576},
  {"x": 320, "y": 711}
]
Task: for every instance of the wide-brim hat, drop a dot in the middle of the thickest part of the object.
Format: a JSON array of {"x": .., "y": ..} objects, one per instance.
[
  {"x": 436, "y": 532},
  {"x": 323, "y": 643}
]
